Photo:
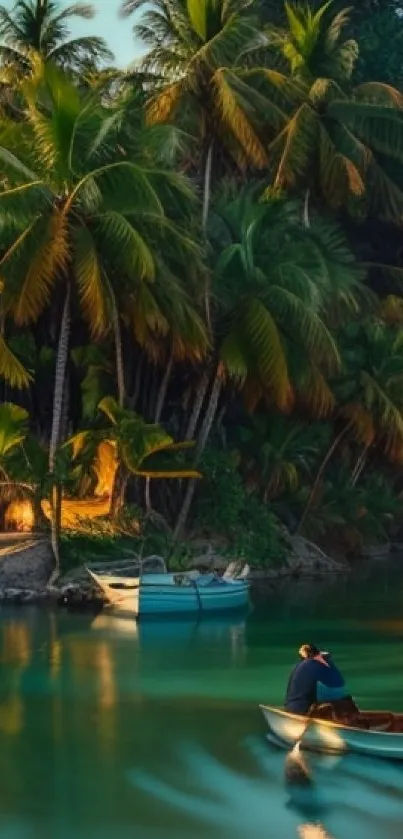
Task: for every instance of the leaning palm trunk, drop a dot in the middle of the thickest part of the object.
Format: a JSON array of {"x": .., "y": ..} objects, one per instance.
[
  {"x": 197, "y": 407},
  {"x": 208, "y": 171},
  {"x": 162, "y": 392},
  {"x": 163, "y": 389},
  {"x": 319, "y": 476},
  {"x": 60, "y": 377},
  {"x": 359, "y": 466},
  {"x": 201, "y": 444}
]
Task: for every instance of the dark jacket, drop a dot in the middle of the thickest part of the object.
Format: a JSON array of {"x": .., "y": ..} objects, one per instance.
[{"x": 302, "y": 690}]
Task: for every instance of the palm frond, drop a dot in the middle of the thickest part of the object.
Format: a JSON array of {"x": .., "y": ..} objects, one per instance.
[
  {"x": 294, "y": 146},
  {"x": 128, "y": 250},
  {"x": 315, "y": 392},
  {"x": 361, "y": 421},
  {"x": 379, "y": 94},
  {"x": 146, "y": 316},
  {"x": 380, "y": 127},
  {"x": 13, "y": 372},
  {"x": 90, "y": 282},
  {"x": 234, "y": 112},
  {"x": 77, "y": 51},
  {"x": 265, "y": 350},
  {"x": 85, "y": 11},
  {"x": 47, "y": 262},
  {"x": 304, "y": 325},
  {"x": 162, "y": 106}
]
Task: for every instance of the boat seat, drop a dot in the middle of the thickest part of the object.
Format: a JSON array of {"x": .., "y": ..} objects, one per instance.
[
  {"x": 388, "y": 724},
  {"x": 380, "y": 727}
]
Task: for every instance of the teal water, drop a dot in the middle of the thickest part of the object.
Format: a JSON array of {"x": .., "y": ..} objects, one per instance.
[{"x": 109, "y": 732}]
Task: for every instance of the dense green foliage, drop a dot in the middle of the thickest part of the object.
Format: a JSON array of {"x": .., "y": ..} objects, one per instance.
[{"x": 205, "y": 249}]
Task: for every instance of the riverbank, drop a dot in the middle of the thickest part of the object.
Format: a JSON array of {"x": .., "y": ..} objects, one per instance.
[{"x": 25, "y": 568}]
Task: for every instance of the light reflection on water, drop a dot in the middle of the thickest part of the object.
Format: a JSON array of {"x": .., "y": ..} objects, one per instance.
[{"x": 112, "y": 730}]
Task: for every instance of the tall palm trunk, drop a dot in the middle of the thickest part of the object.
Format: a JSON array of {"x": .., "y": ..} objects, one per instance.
[
  {"x": 163, "y": 389},
  {"x": 57, "y": 417},
  {"x": 137, "y": 384},
  {"x": 117, "y": 334},
  {"x": 162, "y": 392},
  {"x": 319, "y": 476},
  {"x": 197, "y": 407},
  {"x": 201, "y": 444},
  {"x": 208, "y": 172},
  {"x": 121, "y": 478}
]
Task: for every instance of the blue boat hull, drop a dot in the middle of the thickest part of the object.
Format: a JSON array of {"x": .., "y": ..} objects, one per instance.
[{"x": 163, "y": 599}]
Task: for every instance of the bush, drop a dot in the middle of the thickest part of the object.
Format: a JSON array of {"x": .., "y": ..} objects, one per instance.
[{"x": 224, "y": 505}]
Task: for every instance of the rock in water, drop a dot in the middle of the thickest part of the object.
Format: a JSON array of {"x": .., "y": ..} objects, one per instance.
[{"x": 27, "y": 567}]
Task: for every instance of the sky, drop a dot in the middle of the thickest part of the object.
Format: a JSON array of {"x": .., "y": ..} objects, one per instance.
[{"x": 117, "y": 32}]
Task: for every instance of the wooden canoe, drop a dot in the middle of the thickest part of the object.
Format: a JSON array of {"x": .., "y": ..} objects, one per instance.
[{"x": 374, "y": 733}]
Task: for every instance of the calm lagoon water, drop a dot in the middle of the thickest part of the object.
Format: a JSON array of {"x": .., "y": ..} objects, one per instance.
[{"x": 112, "y": 732}]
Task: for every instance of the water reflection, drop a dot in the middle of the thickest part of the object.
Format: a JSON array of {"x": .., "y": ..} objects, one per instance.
[
  {"x": 350, "y": 806},
  {"x": 109, "y": 728}
]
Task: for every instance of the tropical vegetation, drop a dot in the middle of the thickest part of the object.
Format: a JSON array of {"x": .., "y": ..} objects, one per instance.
[{"x": 201, "y": 280}]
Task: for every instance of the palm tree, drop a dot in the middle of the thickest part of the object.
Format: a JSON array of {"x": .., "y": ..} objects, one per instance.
[
  {"x": 197, "y": 55},
  {"x": 274, "y": 281},
  {"x": 84, "y": 217},
  {"x": 342, "y": 142},
  {"x": 43, "y": 26},
  {"x": 369, "y": 403},
  {"x": 354, "y": 515},
  {"x": 278, "y": 452}
]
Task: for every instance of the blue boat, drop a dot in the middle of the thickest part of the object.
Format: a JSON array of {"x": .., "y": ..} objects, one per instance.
[{"x": 176, "y": 594}]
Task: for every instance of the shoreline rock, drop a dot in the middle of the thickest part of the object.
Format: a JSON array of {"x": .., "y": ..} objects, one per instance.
[{"x": 26, "y": 566}]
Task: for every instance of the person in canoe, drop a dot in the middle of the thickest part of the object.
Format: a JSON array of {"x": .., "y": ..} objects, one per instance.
[{"x": 316, "y": 683}]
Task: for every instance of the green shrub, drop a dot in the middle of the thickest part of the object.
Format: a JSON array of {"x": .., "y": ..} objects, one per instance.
[{"x": 224, "y": 505}]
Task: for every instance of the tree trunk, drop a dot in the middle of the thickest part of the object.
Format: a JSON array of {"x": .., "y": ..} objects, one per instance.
[
  {"x": 359, "y": 466},
  {"x": 40, "y": 520},
  {"x": 147, "y": 497},
  {"x": 307, "y": 222},
  {"x": 325, "y": 461},
  {"x": 208, "y": 171},
  {"x": 137, "y": 383},
  {"x": 201, "y": 444},
  {"x": 197, "y": 407},
  {"x": 60, "y": 377},
  {"x": 162, "y": 392},
  {"x": 210, "y": 413},
  {"x": 55, "y": 528},
  {"x": 119, "y": 490},
  {"x": 117, "y": 332},
  {"x": 163, "y": 389}
]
